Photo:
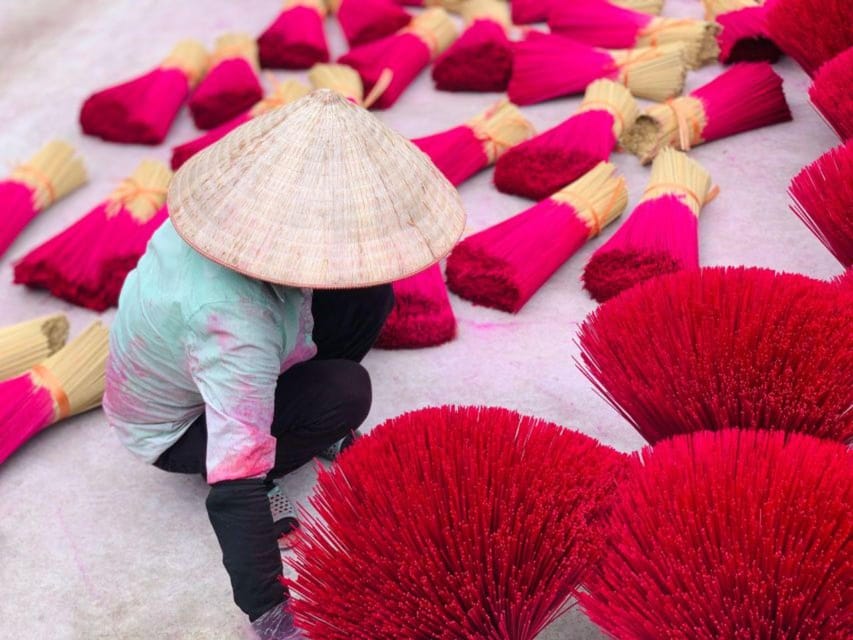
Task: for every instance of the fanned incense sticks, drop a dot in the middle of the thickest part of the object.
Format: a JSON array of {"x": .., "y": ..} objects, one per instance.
[
  {"x": 504, "y": 265},
  {"x": 702, "y": 350},
  {"x": 69, "y": 382},
  {"x": 823, "y": 200},
  {"x": 548, "y": 66},
  {"x": 481, "y": 59},
  {"x": 86, "y": 264},
  {"x": 746, "y": 96},
  {"x": 730, "y": 535},
  {"x": 744, "y": 36},
  {"x": 339, "y": 78},
  {"x": 51, "y": 174},
  {"x": 296, "y": 39},
  {"x": 25, "y": 344},
  {"x": 599, "y": 23},
  {"x": 231, "y": 85},
  {"x": 831, "y": 95},
  {"x": 811, "y": 31},
  {"x": 660, "y": 236},
  {"x": 544, "y": 164},
  {"x": 388, "y": 66},
  {"x": 461, "y": 502},
  {"x": 364, "y": 21},
  {"x": 463, "y": 151},
  {"x": 282, "y": 94},
  {"x": 142, "y": 110}
]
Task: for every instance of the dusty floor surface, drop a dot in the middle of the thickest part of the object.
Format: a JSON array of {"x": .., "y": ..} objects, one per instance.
[{"x": 96, "y": 545}]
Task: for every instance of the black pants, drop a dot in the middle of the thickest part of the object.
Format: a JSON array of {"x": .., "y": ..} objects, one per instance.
[{"x": 316, "y": 404}]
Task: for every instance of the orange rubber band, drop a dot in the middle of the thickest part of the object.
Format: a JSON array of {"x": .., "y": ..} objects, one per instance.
[
  {"x": 54, "y": 387},
  {"x": 42, "y": 179}
]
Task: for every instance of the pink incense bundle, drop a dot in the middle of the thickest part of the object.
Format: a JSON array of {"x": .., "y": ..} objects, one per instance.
[
  {"x": 504, "y": 265},
  {"x": 708, "y": 349},
  {"x": 544, "y": 164},
  {"x": 660, "y": 236},
  {"x": 87, "y": 263},
  {"x": 482, "y": 524},
  {"x": 231, "y": 85},
  {"x": 747, "y": 96},
  {"x": 744, "y": 36},
  {"x": 481, "y": 59},
  {"x": 296, "y": 39},
  {"x": 142, "y": 110},
  {"x": 823, "y": 200},
  {"x": 547, "y": 66},
  {"x": 282, "y": 94},
  {"x": 364, "y": 21},
  {"x": 811, "y": 31},
  {"x": 388, "y": 66},
  {"x": 831, "y": 95},
  {"x": 736, "y": 535},
  {"x": 69, "y": 382},
  {"x": 599, "y": 23},
  {"x": 51, "y": 174}
]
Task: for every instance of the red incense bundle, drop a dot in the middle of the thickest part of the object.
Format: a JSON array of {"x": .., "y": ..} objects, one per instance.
[
  {"x": 547, "y": 66},
  {"x": 27, "y": 343},
  {"x": 282, "y": 94},
  {"x": 811, "y": 31},
  {"x": 744, "y": 36},
  {"x": 481, "y": 59},
  {"x": 736, "y": 535},
  {"x": 463, "y": 151},
  {"x": 460, "y": 502},
  {"x": 86, "y": 264},
  {"x": 707, "y": 349},
  {"x": 599, "y": 23},
  {"x": 504, "y": 265},
  {"x": 69, "y": 382},
  {"x": 830, "y": 93},
  {"x": 823, "y": 200},
  {"x": 296, "y": 39},
  {"x": 231, "y": 85},
  {"x": 364, "y": 21},
  {"x": 51, "y": 174},
  {"x": 388, "y": 66},
  {"x": 142, "y": 110},
  {"x": 747, "y": 96},
  {"x": 544, "y": 164},
  {"x": 660, "y": 236}
]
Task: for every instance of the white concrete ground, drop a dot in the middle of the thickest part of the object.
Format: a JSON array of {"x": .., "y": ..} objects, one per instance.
[{"x": 96, "y": 545}]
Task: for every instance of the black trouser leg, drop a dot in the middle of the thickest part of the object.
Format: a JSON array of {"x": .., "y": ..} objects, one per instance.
[{"x": 347, "y": 322}]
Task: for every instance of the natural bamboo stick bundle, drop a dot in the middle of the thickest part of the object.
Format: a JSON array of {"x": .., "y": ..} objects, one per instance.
[
  {"x": 51, "y": 174},
  {"x": 69, "y": 382},
  {"x": 296, "y": 38},
  {"x": 653, "y": 7},
  {"x": 364, "y": 21},
  {"x": 339, "y": 78},
  {"x": 27, "y": 343}
]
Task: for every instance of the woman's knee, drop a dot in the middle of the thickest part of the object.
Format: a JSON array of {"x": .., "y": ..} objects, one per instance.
[{"x": 354, "y": 392}]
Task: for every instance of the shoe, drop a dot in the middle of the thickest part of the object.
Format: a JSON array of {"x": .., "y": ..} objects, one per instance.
[
  {"x": 332, "y": 453},
  {"x": 277, "y": 624},
  {"x": 284, "y": 514}
]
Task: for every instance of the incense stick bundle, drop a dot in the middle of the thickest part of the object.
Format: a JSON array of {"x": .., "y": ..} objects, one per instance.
[
  {"x": 340, "y": 78},
  {"x": 548, "y": 66},
  {"x": 51, "y": 174},
  {"x": 364, "y": 21},
  {"x": 823, "y": 200},
  {"x": 142, "y": 110},
  {"x": 69, "y": 382},
  {"x": 481, "y": 59},
  {"x": 463, "y": 151},
  {"x": 231, "y": 85},
  {"x": 744, "y": 36},
  {"x": 389, "y": 65},
  {"x": 660, "y": 236},
  {"x": 653, "y": 7},
  {"x": 454, "y": 6},
  {"x": 27, "y": 343},
  {"x": 86, "y": 264},
  {"x": 747, "y": 96},
  {"x": 830, "y": 93},
  {"x": 811, "y": 31},
  {"x": 282, "y": 94},
  {"x": 504, "y": 265},
  {"x": 544, "y": 164},
  {"x": 296, "y": 38},
  {"x": 845, "y": 280},
  {"x": 601, "y": 24}
]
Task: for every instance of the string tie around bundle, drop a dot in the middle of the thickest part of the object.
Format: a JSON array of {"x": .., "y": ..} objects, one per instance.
[
  {"x": 426, "y": 36},
  {"x": 649, "y": 53},
  {"x": 680, "y": 189},
  {"x": 609, "y": 107},
  {"x": 597, "y": 218},
  {"x": 659, "y": 25},
  {"x": 494, "y": 146},
  {"x": 44, "y": 377},
  {"x": 689, "y": 126},
  {"x": 43, "y": 184},
  {"x": 129, "y": 191},
  {"x": 190, "y": 58}
]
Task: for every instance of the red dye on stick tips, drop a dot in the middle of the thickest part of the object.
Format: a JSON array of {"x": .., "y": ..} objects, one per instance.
[
  {"x": 811, "y": 31},
  {"x": 745, "y": 37},
  {"x": 831, "y": 95},
  {"x": 725, "y": 347},
  {"x": 364, "y": 21},
  {"x": 452, "y": 523},
  {"x": 296, "y": 39},
  {"x": 736, "y": 534}
]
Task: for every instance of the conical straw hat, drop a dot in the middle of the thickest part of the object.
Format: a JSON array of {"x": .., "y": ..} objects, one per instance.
[{"x": 318, "y": 194}]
